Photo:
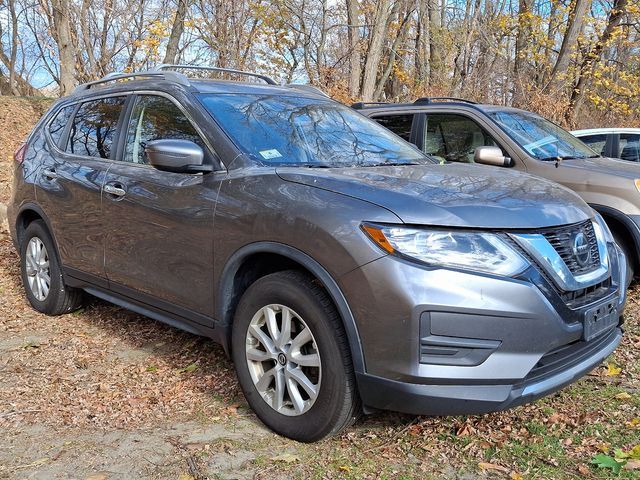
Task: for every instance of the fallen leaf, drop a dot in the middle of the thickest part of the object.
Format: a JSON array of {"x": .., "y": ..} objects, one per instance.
[
  {"x": 186, "y": 476},
  {"x": 633, "y": 423},
  {"x": 605, "y": 461},
  {"x": 516, "y": 476},
  {"x": 286, "y": 458},
  {"x": 623, "y": 396},
  {"x": 632, "y": 464},
  {"x": 583, "y": 470},
  {"x": 188, "y": 368},
  {"x": 97, "y": 476},
  {"x": 493, "y": 466},
  {"x": 613, "y": 370}
]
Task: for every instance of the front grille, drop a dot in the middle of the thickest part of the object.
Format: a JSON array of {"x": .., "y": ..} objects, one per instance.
[
  {"x": 562, "y": 239},
  {"x": 566, "y": 356},
  {"x": 585, "y": 296}
]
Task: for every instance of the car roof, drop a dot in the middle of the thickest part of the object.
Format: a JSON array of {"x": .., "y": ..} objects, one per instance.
[
  {"x": 166, "y": 78},
  {"x": 422, "y": 105},
  {"x": 604, "y": 131}
]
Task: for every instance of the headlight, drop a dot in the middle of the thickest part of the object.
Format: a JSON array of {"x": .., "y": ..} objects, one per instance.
[{"x": 480, "y": 252}]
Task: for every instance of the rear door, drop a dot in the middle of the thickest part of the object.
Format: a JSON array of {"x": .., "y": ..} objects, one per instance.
[
  {"x": 159, "y": 225},
  {"x": 70, "y": 181}
]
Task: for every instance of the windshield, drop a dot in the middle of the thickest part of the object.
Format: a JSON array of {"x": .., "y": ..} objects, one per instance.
[
  {"x": 541, "y": 138},
  {"x": 299, "y": 131}
]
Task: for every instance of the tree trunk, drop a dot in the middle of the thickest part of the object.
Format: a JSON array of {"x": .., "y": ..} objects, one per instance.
[
  {"x": 422, "y": 43},
  {"x": 570, "y": 40},
  {"x": 435, "y": 53},
  {"x": 355, "y": 68},
  {"x": 520, "y": 61},
  {"x": 617, "y": 13},
  {"x": 374, "y": 54},
  {"x": 62, "y": 36},
  {"x": 176, "y": 33}
]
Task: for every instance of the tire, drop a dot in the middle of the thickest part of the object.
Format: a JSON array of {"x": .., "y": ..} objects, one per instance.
[
  {"x": 39, "y": 262},
  {"x": 299, "y": 416}
]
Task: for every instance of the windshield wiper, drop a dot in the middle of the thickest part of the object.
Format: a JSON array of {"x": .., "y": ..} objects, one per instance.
[
  {"x": 566, "y": 157},
  {"x": 387, "y": 164}
]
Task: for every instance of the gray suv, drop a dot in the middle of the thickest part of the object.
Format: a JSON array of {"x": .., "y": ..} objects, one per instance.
[{"x": 342, "y": 269}]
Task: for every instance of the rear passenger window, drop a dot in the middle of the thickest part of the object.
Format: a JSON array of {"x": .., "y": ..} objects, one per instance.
[
  {"x": 56, "y": 127},
  {"x": 398, "y": 124},
  {"x": 94, "y": 127},
  {"x": 596, "y": 142},
  {"x": 630, "y": 147},
  {"x": 156, "y": 118}
]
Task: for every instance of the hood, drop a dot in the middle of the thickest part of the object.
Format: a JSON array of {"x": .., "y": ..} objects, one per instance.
[
  {"x": 605, "y": 165},
  {"x": 455, "y": 195}
]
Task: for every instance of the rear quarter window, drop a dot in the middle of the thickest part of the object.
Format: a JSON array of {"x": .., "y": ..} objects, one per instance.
[{"x": 59, "y": 122}]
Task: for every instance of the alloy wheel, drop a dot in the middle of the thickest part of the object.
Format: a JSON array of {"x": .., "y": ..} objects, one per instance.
[
  {"x": 283, "y": 360},
  {"x": 37, "y": 267}
]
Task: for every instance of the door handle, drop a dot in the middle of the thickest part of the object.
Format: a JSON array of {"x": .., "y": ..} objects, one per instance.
[
  {"x": 50, "y": 174},
  {"x": 114, "y": 190}
]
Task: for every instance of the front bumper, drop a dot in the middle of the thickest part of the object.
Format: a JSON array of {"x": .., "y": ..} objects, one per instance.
[
  {"x": 419, "y": 399},
  {"x": 438, "y": 341}
]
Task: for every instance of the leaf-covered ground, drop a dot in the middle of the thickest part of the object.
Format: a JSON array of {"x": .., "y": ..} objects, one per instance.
[{"x": 104, "y": 393}]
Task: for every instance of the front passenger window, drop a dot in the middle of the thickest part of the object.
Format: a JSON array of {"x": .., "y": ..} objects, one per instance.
[
  {"x": 155, "y": 118},
  {"x": 453, "y": 138}
]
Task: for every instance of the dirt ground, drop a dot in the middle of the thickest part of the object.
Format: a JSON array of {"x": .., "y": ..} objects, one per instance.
[{"x": 108, "y": 394}]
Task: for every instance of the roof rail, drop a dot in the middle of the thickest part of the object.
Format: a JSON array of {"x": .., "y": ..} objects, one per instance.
[
  {"x": 361, "y": 105},
  {"x": 117, "y": 76},
  {"x": 164, "y": 67},
  {"x": 437, "y": 99},
  {"x": 306, "y": 88}
]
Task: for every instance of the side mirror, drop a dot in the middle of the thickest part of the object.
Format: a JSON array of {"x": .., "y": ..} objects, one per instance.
[
  {"x": 491, "y": 156},
  {"x": 172, "y": 155}
]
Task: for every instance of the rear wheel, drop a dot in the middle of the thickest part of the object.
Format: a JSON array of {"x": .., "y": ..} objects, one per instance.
[
  {"x": 42, "y": 275},
  {"x": 292, "y": 358}
]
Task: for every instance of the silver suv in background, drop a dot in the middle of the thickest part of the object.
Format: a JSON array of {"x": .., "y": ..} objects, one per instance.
[
  {"x": 458, "y": 130},
  {"x": 622, "y": 143},
  {"x": 342, "y": 268}
]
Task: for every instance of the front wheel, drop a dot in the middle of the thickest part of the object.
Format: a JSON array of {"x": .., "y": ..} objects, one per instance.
[{"x": 292, "y": 358}]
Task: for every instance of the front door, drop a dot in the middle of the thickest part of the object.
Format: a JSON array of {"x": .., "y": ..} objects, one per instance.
[{"x": 159, "y": 236}]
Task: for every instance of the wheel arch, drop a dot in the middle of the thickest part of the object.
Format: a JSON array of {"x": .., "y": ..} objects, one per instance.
[
  {"x": 620, "y": 223},
  {"x": 28, "y": 213},
  {"x": 269, "y": 258}
]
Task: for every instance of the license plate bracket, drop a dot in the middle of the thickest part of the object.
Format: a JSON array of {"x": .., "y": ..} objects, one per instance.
[{"x": 599, "y": 319}]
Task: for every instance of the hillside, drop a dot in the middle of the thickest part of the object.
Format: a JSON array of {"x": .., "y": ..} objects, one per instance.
[{"x": 18, "y": 115}]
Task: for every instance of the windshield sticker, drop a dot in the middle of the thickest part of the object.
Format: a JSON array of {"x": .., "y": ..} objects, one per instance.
[{"x": 269, "y": 154}]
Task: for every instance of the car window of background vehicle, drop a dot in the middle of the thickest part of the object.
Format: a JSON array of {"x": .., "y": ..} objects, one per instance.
[
  {"x": 453, "y": 137},
  {"x": 630, "y": 147}
]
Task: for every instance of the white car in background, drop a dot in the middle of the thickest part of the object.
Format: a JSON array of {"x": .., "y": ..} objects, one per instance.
[{"x": 623, "y": 143}]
